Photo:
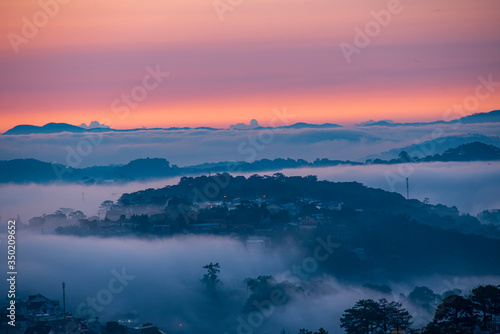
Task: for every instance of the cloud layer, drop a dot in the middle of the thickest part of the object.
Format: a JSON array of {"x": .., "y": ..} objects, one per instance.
[
  {"x": 163, "y": 286},
  {"x": 187, "y": 147}
]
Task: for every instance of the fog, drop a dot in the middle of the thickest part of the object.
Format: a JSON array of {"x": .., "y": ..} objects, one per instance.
[
  {"x": 187, "y": 147},
  {"x": 470, "y": 186},
  {"x": 30, "y": 200},
  {"x": 162, "y": 276},
  {"x": 163, "y": 282},
  {"x": 445, "y": 183}
]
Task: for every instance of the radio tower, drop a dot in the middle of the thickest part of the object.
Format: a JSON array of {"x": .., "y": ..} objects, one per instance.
[{"x": 407, "y": 189}]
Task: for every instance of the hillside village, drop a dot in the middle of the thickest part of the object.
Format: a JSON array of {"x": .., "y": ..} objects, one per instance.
[
  {"x": 41, "y": 315},
  {"x": 233, "y": 217},
  {"x": 258, "y": 206}
]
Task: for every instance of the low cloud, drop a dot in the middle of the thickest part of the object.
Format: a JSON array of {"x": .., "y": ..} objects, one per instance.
[
  {"x": 163, "y": 282},
  {"x": 186, "y": 147},
  {"x": 94, "y": 125}
]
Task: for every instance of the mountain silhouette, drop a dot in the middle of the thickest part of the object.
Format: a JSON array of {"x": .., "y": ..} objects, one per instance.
[
  {"x": 47, "y": 128},
  {"x": 32, "y": 170},
  {"x": 487, "y": 117}
]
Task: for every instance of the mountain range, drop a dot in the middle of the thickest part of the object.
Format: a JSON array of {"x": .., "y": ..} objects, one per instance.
[
  {"x": 32, "y": 170},
  {"x": 489, "y": 117},
  {"x": 64, "y": 127}
]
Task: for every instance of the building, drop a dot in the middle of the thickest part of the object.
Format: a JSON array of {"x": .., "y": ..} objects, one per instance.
[{"x": 40, "y": 307}]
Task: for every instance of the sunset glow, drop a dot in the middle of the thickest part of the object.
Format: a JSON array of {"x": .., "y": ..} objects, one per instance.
[{"x": 263, "y": 55}]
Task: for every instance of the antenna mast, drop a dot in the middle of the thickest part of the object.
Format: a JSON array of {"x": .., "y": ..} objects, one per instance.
[{"x": 407, "y": 189}]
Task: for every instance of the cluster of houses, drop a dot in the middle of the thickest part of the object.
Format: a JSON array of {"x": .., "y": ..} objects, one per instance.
[
  {"x": 116, "y": 220},
  {"x": 41, "y": 315}
]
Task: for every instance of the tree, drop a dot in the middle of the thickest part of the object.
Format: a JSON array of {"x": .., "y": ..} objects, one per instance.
[
  {"x": 486, "y": 301},
  {"x": 368, "y": 316},
  {"x": 255, "y": 283},
  {"x": 75, "y": 215},
  {"x": 394, "y": 316},
  {"x": 305, "y": 331},
  {"x": 107, "y": 204},
  {"x": 211, "y": 278},
  {"x": 404, "y": 157},
  {"x": 455, "y": 315},
  {"x": 424, "y": 297},
  {"x": 364, "y": 318}
]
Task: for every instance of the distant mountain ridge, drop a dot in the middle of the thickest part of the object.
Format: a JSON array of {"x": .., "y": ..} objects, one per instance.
[
  {"x": 433, "y": 146},
  {"x": 475, "y": 151},
  {"x": 64, "y": 127},
  {"x": 47, "y": 128},
  {"x": 32, "y": 170},
  {"x": 489, "y": 117}
]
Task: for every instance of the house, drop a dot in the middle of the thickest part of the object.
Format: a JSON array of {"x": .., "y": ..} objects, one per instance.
[
  {"x": 258, "y": 242},
  {"x": 115, "y": 213},
  {"x": 308, "y": 223},
  {"x": 41, "y": 306},
  {"x": 308, "y": 220},
  {"x": 335, "y": 206},
  {"x": 318, "y": 216},
  {"x": 215, "y": 225},
  {"x": 273, "y": 208}
]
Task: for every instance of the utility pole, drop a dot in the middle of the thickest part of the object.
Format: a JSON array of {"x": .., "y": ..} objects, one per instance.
[{"x": 64, "y": 298}]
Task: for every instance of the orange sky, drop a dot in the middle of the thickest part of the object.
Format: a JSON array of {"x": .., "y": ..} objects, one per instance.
[{"x": 265, "y": 54}]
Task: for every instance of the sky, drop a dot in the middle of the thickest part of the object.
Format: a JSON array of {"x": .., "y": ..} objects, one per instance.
[{"x": 233, "y": 61}]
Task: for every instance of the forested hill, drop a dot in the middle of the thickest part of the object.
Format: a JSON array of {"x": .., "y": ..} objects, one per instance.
[
  {"x": 224, "y": 187},
  {"x": 278, "y": 188},
  {"x": 381, "y": 234}
]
